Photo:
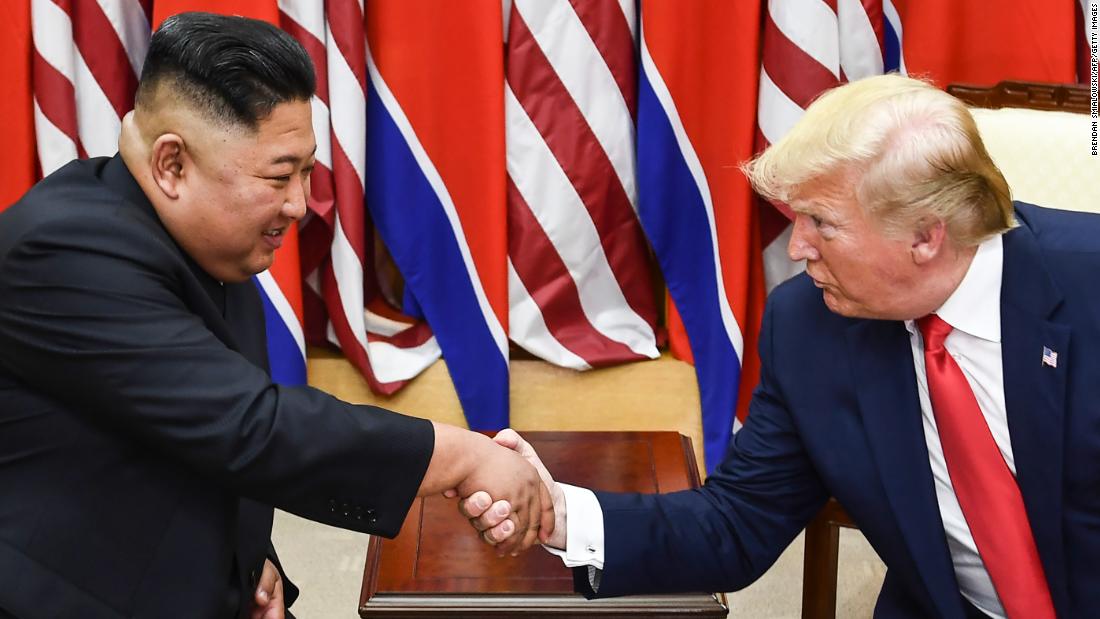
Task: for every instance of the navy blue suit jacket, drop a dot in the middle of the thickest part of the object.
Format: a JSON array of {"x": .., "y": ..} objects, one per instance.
[{"x": 837, "y": 413}]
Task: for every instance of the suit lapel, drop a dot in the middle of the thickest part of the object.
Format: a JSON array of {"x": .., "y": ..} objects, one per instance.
[
  {"x": 214, "y": 307},
  {"x": 890, "y": 408},
  {"x": 238, "y": 319},
  {"x": 1035, "y": 397}
]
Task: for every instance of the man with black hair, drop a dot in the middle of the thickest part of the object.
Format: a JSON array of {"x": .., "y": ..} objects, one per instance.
[{"x": 142, "y": 442}]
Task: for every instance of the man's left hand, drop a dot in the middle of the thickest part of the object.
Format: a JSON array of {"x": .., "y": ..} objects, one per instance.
[{"x": 268, "y": 599}]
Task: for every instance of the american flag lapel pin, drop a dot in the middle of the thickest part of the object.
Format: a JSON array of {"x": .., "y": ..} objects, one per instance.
[{"x": 1050, "y": 357}]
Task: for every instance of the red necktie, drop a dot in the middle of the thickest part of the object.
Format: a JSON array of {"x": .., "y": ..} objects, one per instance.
[{"x": 984, "y": 485}]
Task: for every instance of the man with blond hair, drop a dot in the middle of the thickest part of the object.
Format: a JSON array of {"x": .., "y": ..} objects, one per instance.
[{"x": 933, "y": 369}]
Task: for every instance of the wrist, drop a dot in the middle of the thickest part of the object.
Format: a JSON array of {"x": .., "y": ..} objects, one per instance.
[
  {"x": 454, "y": 459},
  {"x": 559, "y": 537},
  {"x": 472, "y": 450}
]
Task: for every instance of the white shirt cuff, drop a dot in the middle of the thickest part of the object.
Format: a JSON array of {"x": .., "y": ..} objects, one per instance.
[{"x": 583, "y": 529}]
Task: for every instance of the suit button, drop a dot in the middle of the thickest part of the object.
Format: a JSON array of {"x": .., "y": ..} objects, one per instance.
[
  {"x": 345, "y": 509},
  {"x": 332, "y": 506},
  {"x": 358, "y": 513}
]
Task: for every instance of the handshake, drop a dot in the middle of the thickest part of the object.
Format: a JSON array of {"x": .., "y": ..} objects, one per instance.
[{"x": 505, "y": 491}]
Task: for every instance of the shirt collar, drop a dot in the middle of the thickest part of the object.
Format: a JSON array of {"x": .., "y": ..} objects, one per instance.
[{"x": 975, "y": 306}]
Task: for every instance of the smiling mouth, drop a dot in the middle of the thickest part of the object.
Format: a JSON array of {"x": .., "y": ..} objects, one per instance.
[{"x": 274, "y": 237}]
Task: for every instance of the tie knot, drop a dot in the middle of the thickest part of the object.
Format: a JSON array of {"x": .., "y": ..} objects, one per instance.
[{"x": 934, "y": 330}]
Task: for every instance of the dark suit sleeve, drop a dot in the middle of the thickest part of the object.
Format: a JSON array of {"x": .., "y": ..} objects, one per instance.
[
  {"x": 723, "y": 536},
  {"x": 92, "y": 312}
]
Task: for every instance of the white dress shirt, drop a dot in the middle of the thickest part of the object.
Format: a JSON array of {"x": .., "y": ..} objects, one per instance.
[{"x": 974, "y": 311}]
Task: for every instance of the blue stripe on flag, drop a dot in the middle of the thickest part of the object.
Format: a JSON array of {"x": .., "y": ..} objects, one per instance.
[
  {"x": 288, "y": 366},
  {"x": 415, "y": 228},
  {"x": 674, "y": 216},
  {"x": 410, "y": 306},
  {"x": 891, "y": 57}
]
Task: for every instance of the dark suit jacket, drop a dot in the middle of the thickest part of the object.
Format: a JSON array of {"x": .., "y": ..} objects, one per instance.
[
  {"x": 837, "y": 413},
  {"x": 142, "y": 443}
]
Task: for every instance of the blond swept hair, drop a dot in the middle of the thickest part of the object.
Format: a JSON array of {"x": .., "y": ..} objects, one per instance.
[{"x": 913, "y": 151}]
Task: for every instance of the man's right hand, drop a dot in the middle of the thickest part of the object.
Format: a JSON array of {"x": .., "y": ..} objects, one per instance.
[
  {"x": 491, "y": 518},
  {"x": 469, "y": 464}
]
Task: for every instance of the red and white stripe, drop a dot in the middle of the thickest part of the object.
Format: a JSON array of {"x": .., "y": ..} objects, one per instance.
[
  {"x": 579, "y": 288},
  {"x": 808, "y": 47},
  {"x": 86, "y": 62},
  {"x": 388, "y": 349}
]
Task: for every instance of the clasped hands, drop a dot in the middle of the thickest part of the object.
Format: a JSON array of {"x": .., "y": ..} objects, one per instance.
[{"x": 498, "y": 521}]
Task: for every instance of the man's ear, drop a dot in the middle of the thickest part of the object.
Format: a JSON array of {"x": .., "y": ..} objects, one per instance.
[
  {"x": 167, "y": 163},
  {"x": 929, "y": 240}
]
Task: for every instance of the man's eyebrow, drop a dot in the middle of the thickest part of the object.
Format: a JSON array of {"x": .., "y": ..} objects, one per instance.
[
  {"x": 805, "y": 207},
  {"x": 291, "y": 158},
  {"x": 817, "y": 208}
]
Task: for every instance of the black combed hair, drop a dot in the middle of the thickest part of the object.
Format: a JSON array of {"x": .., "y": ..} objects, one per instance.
[{"x": 235, "y": 70}]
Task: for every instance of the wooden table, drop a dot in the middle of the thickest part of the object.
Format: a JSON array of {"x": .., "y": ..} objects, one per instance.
[{"x": 438, "y": 567}]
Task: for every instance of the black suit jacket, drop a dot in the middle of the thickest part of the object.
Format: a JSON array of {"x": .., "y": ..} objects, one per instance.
[{"x": 142, "y": 443}]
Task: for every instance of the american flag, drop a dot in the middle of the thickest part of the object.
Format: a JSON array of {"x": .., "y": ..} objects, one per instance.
[
  {"x": 1050, "y": 357},
  {"x": 343, "y": 301},
  {"x": 579, "y": 282},
  {"x": 86, "y": 61}
]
